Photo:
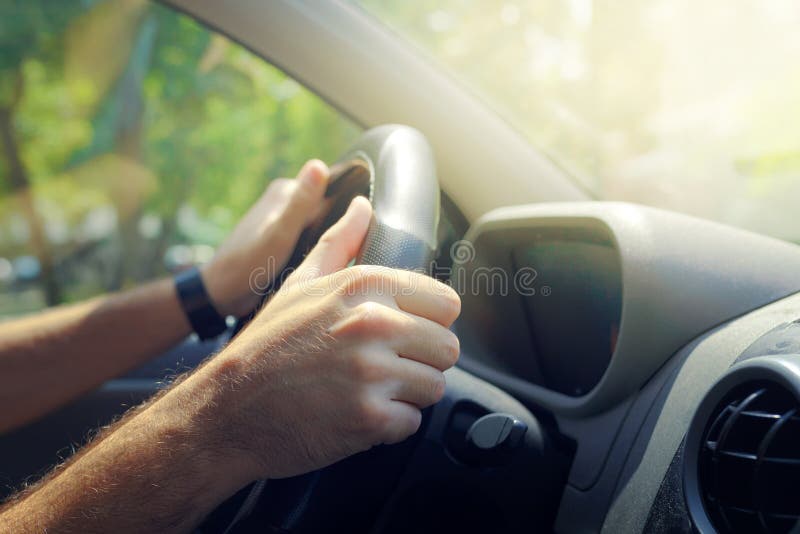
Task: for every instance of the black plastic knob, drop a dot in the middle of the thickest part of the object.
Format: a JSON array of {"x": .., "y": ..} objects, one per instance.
[{"x": 492, "y": 439}]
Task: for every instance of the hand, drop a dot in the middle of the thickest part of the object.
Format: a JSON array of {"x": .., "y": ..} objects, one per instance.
[
  {"x": 340, "y": 359},
  {"x": 264, "y": 239}
]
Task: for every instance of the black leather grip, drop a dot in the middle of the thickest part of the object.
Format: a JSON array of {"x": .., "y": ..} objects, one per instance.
[{"x": 404, "y": 192}]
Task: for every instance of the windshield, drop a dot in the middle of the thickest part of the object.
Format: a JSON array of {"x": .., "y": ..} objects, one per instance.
[{"x": 682, "y": 104}]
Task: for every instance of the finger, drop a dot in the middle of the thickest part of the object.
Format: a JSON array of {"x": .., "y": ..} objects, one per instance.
[
  {"x": 426, "y": 342},
  {"x": 429, "y": 298},
  {"x": 339, "y": 244},
  {"x": 413, "y": 292},
  {"x": 410, "y": 336},
  {"x": 414, "y": 382},
  {"x": 404, "y": 420},
  {"x": 307, "y": 195}
]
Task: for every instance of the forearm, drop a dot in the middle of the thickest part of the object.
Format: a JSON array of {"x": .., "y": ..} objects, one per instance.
[
  {"x": 161, "y": 469},
  {"x": 51, "y": 358}
]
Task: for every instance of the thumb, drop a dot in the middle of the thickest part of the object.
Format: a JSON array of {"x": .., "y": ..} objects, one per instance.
[{"x": 339, "y": 244}]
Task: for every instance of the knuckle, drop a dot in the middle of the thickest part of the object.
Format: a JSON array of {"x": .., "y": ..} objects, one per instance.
[
  {"x": 361, "y": 278},
  {"x": 368, "y": 320},
  {"x": 333, "y": 304},
  {"x": 347, "y": 280},
  {"x": 365, "y": 369},
  {"x": 368, "y": 310},
  {"x": 373, "y": 319}
]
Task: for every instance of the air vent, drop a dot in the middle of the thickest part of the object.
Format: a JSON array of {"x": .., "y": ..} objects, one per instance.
[{"x": 748, "y": 460}]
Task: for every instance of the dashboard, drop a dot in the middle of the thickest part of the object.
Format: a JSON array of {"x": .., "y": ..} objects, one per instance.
[
  {"x": 653, "y": 359},
  {"x": 628, "y": 320}
]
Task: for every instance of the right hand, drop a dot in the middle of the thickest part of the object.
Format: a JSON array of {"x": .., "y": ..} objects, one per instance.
[{"x": 339, "y": 360}]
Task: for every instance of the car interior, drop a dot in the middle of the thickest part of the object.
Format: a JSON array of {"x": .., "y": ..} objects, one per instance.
[{"x": 624, "y": 367}]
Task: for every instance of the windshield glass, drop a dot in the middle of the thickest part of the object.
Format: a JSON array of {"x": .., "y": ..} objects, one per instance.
[{"x": 682, "y": 104}]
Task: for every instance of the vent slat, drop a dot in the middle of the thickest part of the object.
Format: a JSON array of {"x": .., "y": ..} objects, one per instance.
[
  {"x": 736, "y": 454},
  {"x": 761, "y": 415},
  {"x": 749, "y": 468}
]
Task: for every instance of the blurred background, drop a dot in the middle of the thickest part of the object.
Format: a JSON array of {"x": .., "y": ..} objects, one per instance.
[{"x": 132, "y": 139}]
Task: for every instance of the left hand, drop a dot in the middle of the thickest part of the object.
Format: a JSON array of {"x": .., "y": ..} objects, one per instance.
[{"x": 264, "y": 239}]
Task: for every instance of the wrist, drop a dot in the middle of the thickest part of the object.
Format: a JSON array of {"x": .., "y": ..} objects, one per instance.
[
  {"x": 206, "y": 408},
  {"x": 185, "y": 422},
  {"x": 229, "y": 292}
]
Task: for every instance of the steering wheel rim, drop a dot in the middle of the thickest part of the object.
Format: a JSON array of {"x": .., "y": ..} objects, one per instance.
[
  {"x": 402, "y": 187},
  {"x": 404, "y": 192}
]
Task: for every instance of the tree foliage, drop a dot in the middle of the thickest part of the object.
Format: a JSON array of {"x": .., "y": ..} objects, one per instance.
[{"x": 142, "y": 136}]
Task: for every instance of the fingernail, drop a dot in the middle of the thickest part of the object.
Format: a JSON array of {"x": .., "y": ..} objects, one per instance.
[
  {"x": 357, "y": 200},
  {"x": 351, "y": 205}
]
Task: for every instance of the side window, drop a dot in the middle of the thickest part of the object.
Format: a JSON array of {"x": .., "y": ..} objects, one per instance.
[{"x": 131, "y": 140}]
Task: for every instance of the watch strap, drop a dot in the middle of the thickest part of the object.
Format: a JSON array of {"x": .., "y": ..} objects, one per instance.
[{"x": 204, "y": 318}]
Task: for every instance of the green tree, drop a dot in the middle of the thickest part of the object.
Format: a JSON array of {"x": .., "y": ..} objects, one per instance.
[
  {"x": 135, "y": 116},
  {"x": 30, "y": 28}
]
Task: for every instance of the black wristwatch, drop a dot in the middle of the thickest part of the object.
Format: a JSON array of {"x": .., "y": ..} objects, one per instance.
[{"x": 204, "y": 318}]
